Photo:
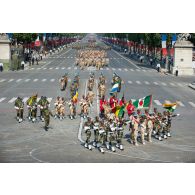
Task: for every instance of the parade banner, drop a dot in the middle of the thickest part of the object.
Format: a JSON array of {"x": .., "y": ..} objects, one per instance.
[{"x": 144, "y": 102}]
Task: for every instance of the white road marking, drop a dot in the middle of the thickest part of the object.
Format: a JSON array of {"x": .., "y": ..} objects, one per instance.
[
  {"x": 44, "y": 68},
  {"x": 138, "y": 82},
  {"x": 75, "y": 68},
  {"x": 69, "y": 68},
  {"x": 25, "y": 99},
  {"x": 27, "y": 80},
  {"x": 180, "y": 103},
  {"x": 180, "y": 84},
  {"x": 63, "y": 68},
  {"x": 132, "y": 70},
  {"x": 51, "y": 68},
  {"x": 192, "y": 104},
  {"x": 1, "y": 99},
  {"x": 57, "y": 68},
  {"x": 10, "y": 80},
  {"x": 32, "y": 68},
  {"x": 12, "y": 100},
  {"x": 137, "y": 70},
  {"x": 38, "y": 68},
  {"x": 18, "y": 80},
  {"x": 107, "y": 68},
  {"x": 143, "y": 70},
  {"x": 146, "y": 82},
  {"x": 82, "y": 120},
  {"x": 172, "y": 84},
  {"x": 35, "y": 80},
  {"x": 43, "y": 80},
  {"x": 125, "y": 69},
  {"x": 52, "y": 80},
  {"x": 157, "y": 102},
  {"x": 113, "y": 69},
  {"x": 127, "y": 60},
  {"x": 119, "y": 69},
  {"x": 130, "y": 82},
  {"x": 155, "y": 83},
  {"x": 163, "y": 83},
  {"x": 2, "y": 80}
]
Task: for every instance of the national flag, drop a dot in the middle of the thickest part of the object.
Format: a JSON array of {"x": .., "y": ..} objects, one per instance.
[
  {"x": 144, "y": 102},
  {"x": 37, "y": 42},
  {"x": 170, "y": 107},
  {"x": 119, "y": 111},
  {"x": 75, "y": 97},
  {"x": 164, "y": 38},
  {"x": 115, "y": 88},
  {"x": 174, "y": 38}
]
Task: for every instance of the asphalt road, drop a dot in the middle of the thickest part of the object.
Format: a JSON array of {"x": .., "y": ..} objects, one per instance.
[{"x": 28, "y": 142}]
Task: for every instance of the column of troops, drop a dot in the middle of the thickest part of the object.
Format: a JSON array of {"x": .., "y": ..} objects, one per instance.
[
  {"x": 43, "y": 105},
  {"x": 108, "y": 128},
  {"x": 95, "y": 58}
]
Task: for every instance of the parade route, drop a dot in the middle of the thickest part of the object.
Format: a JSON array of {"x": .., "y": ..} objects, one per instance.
[{"x": 63, "y": 142}]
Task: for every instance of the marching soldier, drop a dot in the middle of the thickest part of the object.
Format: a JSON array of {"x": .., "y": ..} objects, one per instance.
[
  {"x": 150, "y": 125},
  {"x": 135, "y": 126},
  {"x": 63, "y": 82},
  {"x": 19, "y": 106},
  {"x": 113, "y": 103},
  {"x": 32, "y": 107},
  {"x": 42, "y": 104},
  {"x": 130, "y": 108},
  {"x": 96, "y": 130},
  {"x": 46, "y": 114},
  {"x": 87, "y": 127},
  {"x": 102, "y": 103},
  {"x": 142, "y": 128},
  {"x": 72, "y": 108},
  {"x": 119, "y": 135}
]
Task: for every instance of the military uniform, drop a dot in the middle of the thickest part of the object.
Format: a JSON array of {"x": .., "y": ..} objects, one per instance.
[
  {"x": 42, "y": 104},
  {"x": 96, "y": 130},
  {"x": 46, "y": 114},
  {"x": 119, "y": 135},
  {"x": 135, "y": 126},
  {"x": 19, "y": 106},
  {"x": 32, "y": 108},
  {"x": 87, "y": 127},
  {"x": 142, "y": 128},
  {"x": 149, "y": 127}
]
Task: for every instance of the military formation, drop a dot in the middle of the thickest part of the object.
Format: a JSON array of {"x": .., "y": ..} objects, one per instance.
[
  {"x": 92, "y": 57},
  {"x": 106, "y": 131},
  {"x": 33, "y": 104}
]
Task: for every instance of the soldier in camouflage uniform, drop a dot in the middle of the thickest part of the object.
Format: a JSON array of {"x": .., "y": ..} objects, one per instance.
[
  {"x": 96, "y": 130},
  {"x": 32, "y": 108},
  {"x": 88, "y": 127},
  {"x": 119, "y": 134},
  {"x": 42, "y": 104},
  {"x": 19, "y": 106},
  {"x": 46, "y": 114}
]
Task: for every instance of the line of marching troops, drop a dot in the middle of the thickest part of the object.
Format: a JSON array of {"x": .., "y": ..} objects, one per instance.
[
  {"x": 88, "y": 57},
  {"x": 108, "y": 128},
  {"x": 33, "y": 104}
]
